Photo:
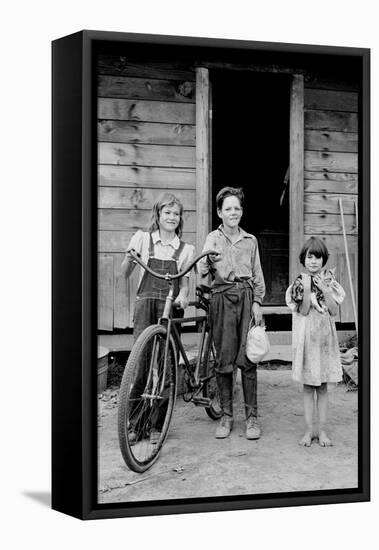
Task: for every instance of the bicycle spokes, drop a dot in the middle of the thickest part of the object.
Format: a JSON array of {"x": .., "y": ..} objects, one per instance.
[{"x": 148, "y": 396}]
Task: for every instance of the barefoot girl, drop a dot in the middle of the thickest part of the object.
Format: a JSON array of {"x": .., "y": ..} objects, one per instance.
[
  {"x": 314, "y": 298},
  {"x": 162, "y": 249}
]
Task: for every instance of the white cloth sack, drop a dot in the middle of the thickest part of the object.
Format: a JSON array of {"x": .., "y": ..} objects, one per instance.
[{"x": 257, "y": 344}]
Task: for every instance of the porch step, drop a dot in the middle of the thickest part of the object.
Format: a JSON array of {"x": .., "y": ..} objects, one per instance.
[{"x": 279, "y": 341}]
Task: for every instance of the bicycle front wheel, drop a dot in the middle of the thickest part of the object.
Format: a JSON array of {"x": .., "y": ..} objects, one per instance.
[
  {"x": 147, "y": 398},
  {"x": 210, "y": 389}
]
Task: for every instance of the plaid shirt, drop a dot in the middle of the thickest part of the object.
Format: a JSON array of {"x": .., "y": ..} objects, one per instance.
[{"x": 239, "y": 260}]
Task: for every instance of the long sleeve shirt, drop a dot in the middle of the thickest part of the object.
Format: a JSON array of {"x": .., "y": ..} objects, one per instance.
[{"x": 239, "y": 260}]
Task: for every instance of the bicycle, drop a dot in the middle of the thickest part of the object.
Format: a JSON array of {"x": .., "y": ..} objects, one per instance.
[{"x": 149, "y": 382}]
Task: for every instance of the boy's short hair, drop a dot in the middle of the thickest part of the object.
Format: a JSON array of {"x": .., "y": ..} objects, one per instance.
[
  {"x": 167, "y": 199},
  {"x": 229, "y": 192},
  {"x": 314, "y": 246}
]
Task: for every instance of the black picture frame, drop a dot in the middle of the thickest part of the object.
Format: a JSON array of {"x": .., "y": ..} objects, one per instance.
[{"x": 74, "y": 272}]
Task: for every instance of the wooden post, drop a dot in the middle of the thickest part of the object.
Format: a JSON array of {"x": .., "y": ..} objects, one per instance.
[
  {"x": 296, "y": 232},
  {"x": 203, "y": 191}
]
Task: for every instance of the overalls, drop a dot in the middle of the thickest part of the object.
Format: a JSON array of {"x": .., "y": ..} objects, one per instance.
[{"x": 150, "y": 301}]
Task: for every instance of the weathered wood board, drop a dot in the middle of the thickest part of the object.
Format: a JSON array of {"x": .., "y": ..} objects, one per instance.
[
  {"x": 347, "y": 311},
  {"x": 142, "y": 88},
  {"x": 146, "y": 176},
  {"x": 146, "y": 155},
  {"x": 328, "y": 224},
  {"x": 332, "y": 100},
  {"x": 117, "y": 241},
  {"x": 140, "y": 198},
  {"x": 146, "y": 111},
  {"x": 105, "y": 292},
  {"x": 132, "y": 220},
  {"x": 329, "y": 83},
  {"x": 325, "y": 186},
  {"x": 145, "y": 132},
  {"x": 317, "y": 161},
  {"x": 326, "y": 203},
  {"x": 120, "y": 65},
  {"x": 121, "y": 315},
  {"x": 330, "y": 121},
  {"x": 317, "y": 140}
]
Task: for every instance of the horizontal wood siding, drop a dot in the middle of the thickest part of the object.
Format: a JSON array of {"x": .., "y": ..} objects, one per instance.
[
  {"x": 147, "y": 176},
  {"x": 331, "y": 172},
  {"x": 146, "y": 146},
  {"x": 132, "y": 131},
  {"x": 117, "y": 241},
  {"x": 146, "y": 111}
]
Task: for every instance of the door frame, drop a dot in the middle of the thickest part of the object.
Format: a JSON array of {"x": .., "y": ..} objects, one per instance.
[{"x": 296, "y": 158}]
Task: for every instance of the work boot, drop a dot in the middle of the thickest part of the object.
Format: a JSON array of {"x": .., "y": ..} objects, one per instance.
[
  {"x": 225, "y": 390},
  {"x": 224, "y": 427},
  {"x": 253, "y": 430}
]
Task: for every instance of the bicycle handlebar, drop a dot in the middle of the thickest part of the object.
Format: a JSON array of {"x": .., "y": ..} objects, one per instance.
[{"x": 168, "y": 276}]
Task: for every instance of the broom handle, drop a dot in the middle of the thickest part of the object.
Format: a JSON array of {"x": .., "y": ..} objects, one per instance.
[{"x": 348, "y": 264}]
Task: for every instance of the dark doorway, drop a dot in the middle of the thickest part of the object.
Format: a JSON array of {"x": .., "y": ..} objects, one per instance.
[{"x": 250, "y": 149}]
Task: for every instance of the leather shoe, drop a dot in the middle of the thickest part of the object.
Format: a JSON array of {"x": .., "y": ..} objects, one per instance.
[
  {"x": 253, "y": 430},
  {"x": 225, "y": 427}
]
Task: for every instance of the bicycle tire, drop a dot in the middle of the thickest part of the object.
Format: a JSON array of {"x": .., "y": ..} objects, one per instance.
[
  {"x": 136, "y": 412},
  {"x": 210, "y": 389}
]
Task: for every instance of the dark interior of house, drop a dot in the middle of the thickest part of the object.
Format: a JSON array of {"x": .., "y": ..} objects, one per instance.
[{"x": 250, "y": 137}]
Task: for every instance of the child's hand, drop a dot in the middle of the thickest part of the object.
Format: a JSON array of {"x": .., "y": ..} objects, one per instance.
[
  {"x": 320, "y": 283},
  {"x": 256, "y": 313},
  {"x": 306, "y": 279},
  {"x": 212, "y": 258},
  {"x": 181, "y": 300}
]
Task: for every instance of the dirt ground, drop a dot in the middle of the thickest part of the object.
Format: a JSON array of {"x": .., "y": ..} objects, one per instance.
[{"x": 195, "y": 464}]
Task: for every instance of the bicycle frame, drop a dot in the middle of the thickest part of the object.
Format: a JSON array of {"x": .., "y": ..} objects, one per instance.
[{"x": 170, "y": 324}]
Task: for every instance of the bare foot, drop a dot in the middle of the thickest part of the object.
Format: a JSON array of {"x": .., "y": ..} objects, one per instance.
[
  {"x": 306, "y": 440},
  {"x": 324, "y": 440}
]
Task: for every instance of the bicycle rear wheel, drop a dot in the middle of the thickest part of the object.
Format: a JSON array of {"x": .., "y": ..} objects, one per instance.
[
  {"x": 147, "y": 398},
  {"x": 210, "y": 389}
]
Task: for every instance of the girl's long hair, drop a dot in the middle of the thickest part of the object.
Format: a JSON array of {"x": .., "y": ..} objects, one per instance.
[{"x": 167, "y": 199}]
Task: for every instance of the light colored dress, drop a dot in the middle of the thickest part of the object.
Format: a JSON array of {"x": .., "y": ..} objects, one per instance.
[{"x": 315, "y": 349}]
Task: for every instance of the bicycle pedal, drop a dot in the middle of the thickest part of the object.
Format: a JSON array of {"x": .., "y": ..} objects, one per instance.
[{"x": 201, "y": 401}]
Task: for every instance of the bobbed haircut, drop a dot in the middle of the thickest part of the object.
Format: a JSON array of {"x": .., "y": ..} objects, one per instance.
[
  {"x": 229, "y": 192},
  {"x": 314, "y": 246},
  {"x": 167, "y": 199}
]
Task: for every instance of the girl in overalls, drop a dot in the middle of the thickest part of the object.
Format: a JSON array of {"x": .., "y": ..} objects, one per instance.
[{"x": 162, "y": 249}]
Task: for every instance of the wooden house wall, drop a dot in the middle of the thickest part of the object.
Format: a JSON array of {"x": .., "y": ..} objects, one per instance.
[
  {"x": 330, "y": 173},
  {"x": 146, "y": 145}
]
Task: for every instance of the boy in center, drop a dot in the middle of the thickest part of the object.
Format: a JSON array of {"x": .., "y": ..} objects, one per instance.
[{"x": 237, "y": 291}]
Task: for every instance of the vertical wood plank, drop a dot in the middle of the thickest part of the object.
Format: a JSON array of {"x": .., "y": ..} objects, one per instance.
[
  {"x": 202, "y": 155},
  {"x": 121, "y": 312},
  {"x": 296, "y": 236},
  {"x": 131, "y": 288},
  {"x": 105, "y": 292},
  {"x": 336, "y": 261},
  {"x": 347, "y": 310}
]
